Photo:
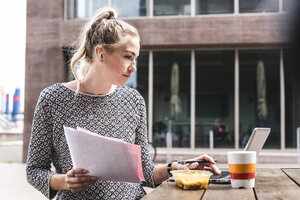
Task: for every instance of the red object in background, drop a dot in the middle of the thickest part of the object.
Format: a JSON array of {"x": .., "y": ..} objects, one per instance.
[
  {"x": 7, "y": 104},
  {"x": 16, "y": 98},
  {"x": 16, "y": 104}
]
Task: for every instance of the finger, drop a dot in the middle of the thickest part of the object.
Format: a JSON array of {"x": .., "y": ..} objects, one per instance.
[
  {"x": 215, "y": 169},
  {"x": 81, "y": 179},
  {"x": 212, "y": 168},
  {"x": 206, "y": 164},
  {"x": 76, "y": 190},
  {"x": 207, "y": 168},
  {"x": 73, "y": 172},
  {"x": 80, "y": 185},
  {"x": 206, "y": 157},
  {"x": 193, "y": 165}
]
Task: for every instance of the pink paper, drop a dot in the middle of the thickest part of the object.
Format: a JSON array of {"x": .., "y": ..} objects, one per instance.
[{"x": 135, "y": 151}]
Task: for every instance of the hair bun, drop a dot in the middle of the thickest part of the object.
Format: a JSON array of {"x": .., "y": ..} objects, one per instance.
[
  {"x": 112, "y": 14},
  {"x": 110, "y": 17}
]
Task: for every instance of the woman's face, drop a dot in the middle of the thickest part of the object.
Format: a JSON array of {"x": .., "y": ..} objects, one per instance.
[{"x": 121, "y": 63}]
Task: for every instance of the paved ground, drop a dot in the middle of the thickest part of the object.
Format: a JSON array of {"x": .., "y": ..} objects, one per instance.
[{"x": 13, "y": 184}]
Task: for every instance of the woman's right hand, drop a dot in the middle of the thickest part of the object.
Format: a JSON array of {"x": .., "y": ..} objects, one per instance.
[{"x": 77, "y": 180}]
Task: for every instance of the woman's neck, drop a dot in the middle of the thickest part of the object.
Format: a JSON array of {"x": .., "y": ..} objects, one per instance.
[{"x": 95, "y": 88}]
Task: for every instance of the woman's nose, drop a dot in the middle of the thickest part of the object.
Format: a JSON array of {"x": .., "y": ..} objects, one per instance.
[{"x": 132, "y": 66}]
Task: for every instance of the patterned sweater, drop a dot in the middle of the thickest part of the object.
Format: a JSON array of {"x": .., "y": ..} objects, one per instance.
[{"x": 120, "y": 114}]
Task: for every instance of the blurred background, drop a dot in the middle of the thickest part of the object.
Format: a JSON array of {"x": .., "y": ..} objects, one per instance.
[
  {"x": 210, "y": 71},
  {"x": 12, "y": 75},
  {"x": 12, "y": 78}
]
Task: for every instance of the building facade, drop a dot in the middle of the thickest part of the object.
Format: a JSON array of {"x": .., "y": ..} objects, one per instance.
[{"x": 205, "y": 66}]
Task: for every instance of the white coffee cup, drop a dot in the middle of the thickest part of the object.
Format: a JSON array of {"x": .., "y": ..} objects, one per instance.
[{"x": 242, "y": 166}]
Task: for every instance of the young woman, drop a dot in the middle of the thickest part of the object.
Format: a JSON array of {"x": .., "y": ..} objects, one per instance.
[{"x": 100, "y": 103}]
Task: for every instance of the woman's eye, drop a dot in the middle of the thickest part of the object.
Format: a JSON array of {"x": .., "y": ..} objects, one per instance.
[{"x": 128, "y": 57}]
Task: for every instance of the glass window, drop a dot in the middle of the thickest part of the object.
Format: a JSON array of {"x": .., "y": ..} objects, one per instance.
[
  {"x": 172, "y": 7},
  {"x": 171, "y": 97},
  {"x": 259, "y": 94},
  {"x": 142, "y": 75},
  {"x": 87, "y": 8},
  {"x": 82, "y": 9},
  {"x": 132, "y": 8},
  {"x": 289, "y": 5},
  {"x": 214, "y": 6},
  {"x": 98, "y": 4},
  {"x": 292, "y": 96},
  {"x": 214, "y": 98},
  {"x": 254, "y": 6}
]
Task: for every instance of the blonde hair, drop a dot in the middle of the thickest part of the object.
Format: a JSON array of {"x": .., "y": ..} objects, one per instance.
[{"x": 105, "y": 30}]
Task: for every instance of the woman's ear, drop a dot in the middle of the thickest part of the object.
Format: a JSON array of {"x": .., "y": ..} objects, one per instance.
[
  {"x": 100, "y": 56},
  {"x": 99, "y": 52}
]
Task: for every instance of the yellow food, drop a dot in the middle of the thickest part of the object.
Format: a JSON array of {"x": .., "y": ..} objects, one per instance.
[{"x": 194, "y": 179}]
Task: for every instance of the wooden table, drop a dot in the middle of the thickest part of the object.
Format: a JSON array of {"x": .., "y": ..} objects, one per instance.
[{"x": 270, "y": 184}]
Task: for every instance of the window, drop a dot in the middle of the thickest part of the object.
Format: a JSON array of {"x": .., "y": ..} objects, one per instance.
[
  {"x": 289, "y": 5},
  {"x": 259, "y": 94},
  {"x": 82, "y": 9},
  {"x": 214, "y": 98},
  {"x": 171, "y": 94},
  {"x": 255, "y": 6},
  {"x": 87, "y": 8},
  {"x": 132, "y": 8},
  {"x": 214, "y": 6},
  {"x": 171, "y": 7},
  {"x": 98, "y": 4},
  {"x": 138, "y": 8},
  {"x": 292, "y": 96},
  {"x": 142, "y": 74}
]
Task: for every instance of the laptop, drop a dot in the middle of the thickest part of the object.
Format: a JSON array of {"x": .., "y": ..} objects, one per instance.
[{"x": 255, "y": 143}]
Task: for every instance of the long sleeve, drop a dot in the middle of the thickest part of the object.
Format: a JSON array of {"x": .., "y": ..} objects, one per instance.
[
  {"x": 40, "y": 149},
  {"x": 142, "y": 139}
]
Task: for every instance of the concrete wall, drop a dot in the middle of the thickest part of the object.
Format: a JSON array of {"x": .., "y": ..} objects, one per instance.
[
  {"x": 206, "y": 31},
  {"x": 44, "y": 59}
]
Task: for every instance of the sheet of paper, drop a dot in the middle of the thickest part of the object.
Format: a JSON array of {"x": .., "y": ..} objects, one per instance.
[
  {"x": 133, "y": 150},
  {"x": 107, "y": 158},
  {"x": 90, "y": 132}
]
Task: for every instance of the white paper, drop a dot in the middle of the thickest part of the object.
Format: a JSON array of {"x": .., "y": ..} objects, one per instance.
[{"x": 104, "y": 157}]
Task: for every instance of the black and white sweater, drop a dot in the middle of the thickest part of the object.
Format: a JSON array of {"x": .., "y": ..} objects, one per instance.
[{"x": 120, "y": 114}]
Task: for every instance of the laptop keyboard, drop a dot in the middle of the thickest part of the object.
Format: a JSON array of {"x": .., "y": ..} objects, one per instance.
[{"x": 220, "y": 176}]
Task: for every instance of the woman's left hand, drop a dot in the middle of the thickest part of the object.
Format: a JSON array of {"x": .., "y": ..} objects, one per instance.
[{"x": 203, "y": 166}]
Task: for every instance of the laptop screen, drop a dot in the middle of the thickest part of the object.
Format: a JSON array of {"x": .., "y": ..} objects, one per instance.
[{"x": 257, "y": 139}]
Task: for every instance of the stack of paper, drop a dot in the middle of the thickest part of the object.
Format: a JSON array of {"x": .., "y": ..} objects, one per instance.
[{"x": 109, "y": 159}]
